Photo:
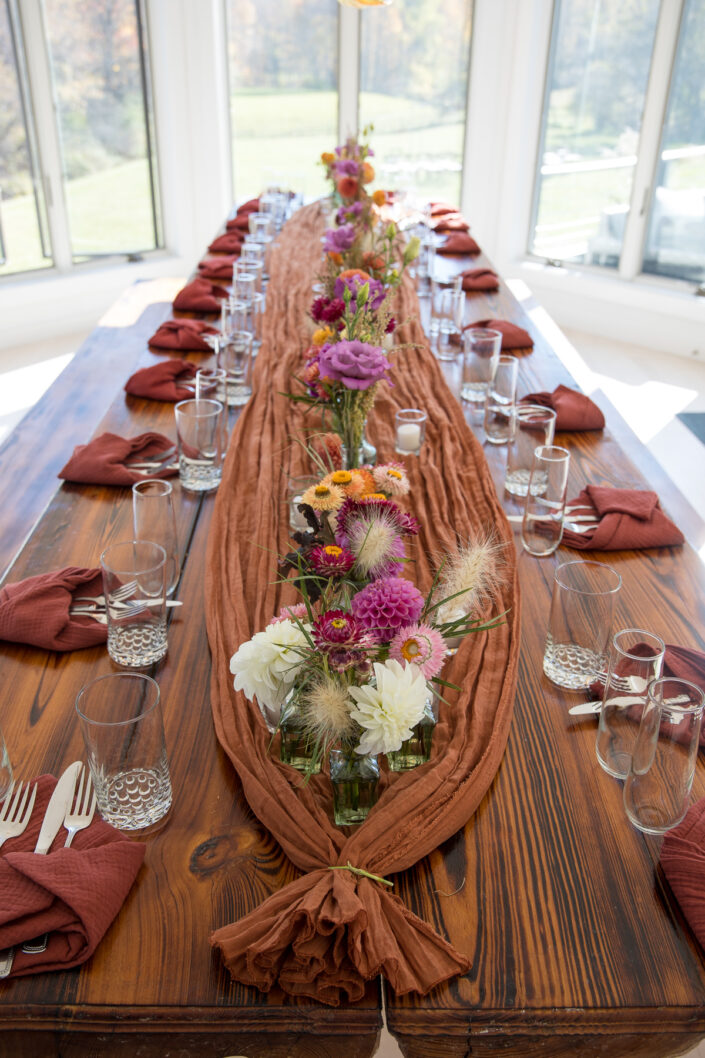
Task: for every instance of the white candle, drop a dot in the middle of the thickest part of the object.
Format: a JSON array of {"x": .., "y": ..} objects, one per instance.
[{"x": 408, "y": 437}]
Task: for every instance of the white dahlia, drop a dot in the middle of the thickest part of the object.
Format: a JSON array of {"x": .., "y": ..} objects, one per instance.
[
  {"x": 388, "y": 711},
  {"x": 266, "y": 666}
]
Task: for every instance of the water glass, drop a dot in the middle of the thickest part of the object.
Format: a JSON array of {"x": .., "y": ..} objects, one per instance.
[
  {"x": 123, "y": 732},
  {"x": 424, "y": 265},
  {"x": 410, "y": 425},
  {"x": 5, "y": 768},
  {"x": 532, "y": 426},
  {"x": 200, "y": 435},
  {"x": 500, "y": 401},
  {"x": 252, "y": 252},
  {"x": 261, "y": 225},
  {"x": 480, "y": 359},
  {"x": 154, "y": 519},
  {"x": 134, "y": 585},
  {"x": 244, "y": 287},
  {"x": 256, "y": 321},
  {"x": 210, "y": 384},
  {"x": 636, "y": 658},
  {"x": 235, "y": 357},
  {"x": 657, "y": 789},
  {"x": 580, "y": 622},
  {"x": 544, "y": 507},
  {"x": 440, "y": 304}
]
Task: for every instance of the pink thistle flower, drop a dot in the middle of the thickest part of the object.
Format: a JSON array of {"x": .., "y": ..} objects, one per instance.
[
  {"x": 420, "y": 645},
  {"x": 387, "y": 605}
]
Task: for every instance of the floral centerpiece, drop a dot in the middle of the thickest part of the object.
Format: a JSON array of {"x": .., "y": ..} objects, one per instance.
[{"x": 351, "y": 672}]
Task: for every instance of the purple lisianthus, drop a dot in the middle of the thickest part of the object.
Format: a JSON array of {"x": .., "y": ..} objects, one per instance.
[
  {"x": 353, "y": 283},
  {"x": 347, "y": 167},
  {"x": 338, "y": 240},
  {"x": 355, "y": 364},
  {"x": 346, "y": 213}
]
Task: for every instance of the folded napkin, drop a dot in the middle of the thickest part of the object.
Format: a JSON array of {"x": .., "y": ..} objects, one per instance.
[
  {"x": 100, "y": 462},
  {"x": 240, "y": 222},
  {"x": 161, "y": 382},
  {"x": 220, "y": 267},
  {"x": 480, "y": 279},
  {"x": 450, "y": 222},
  {"x": 184, "y": 335},
  {"x": 514, "y": 339},
  {"x": 200, "y": 295},
  {"x": 72, "y": 894},
  {"x": 629, "y": 519},
  {"x": 36, "y": 611},
  {"x": 683, "y": 863},
  {"x": 439, "y": 209},
  {"x": 251, "y": 206},
  {"x": 459, "y": 242},
  {"x": 574, "y": 411},
  {"x": 231, "y": 242}
]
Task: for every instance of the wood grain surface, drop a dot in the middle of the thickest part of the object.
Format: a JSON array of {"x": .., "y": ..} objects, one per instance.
[{"x": 575, "y": 942}]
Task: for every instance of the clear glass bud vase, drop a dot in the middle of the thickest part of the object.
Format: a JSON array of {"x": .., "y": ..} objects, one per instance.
[
  {"x": 417, "y": 749},
  {"x": 297, "y": 749},
  {"x": 354, "y": 780}
]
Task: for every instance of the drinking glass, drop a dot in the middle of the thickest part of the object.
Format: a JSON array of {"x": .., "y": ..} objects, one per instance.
[
  {"x": 123, "y": 732},
  {"x": 154, "y": 519},
  {"x": 5, "y": 768},
  {"x": 657, "y": 789},
  {"x": 210, "y": 384},
  {"x": 261, "y": 225},
  {"x": 500, "y": 400},
  {"x": 440, "y": 304},
  {"x": 544, "y": 507},
  {"x": 410, "y": 426},
  {"x": 296, "y": 487},
  {"x": 244, "y": 287},
  {"x": 134, "y": 585},
  {"x": 532, "y": 426},
  {"x": 480, "y": 359},
  {"x": 256, "y": 321},
  {"x": 636, "y": 658},
  {"x": 580, "y": 622},
  {"x": 235, "y": 357},
  {"x": 424, "y": 264},
  {"x": 200, "y": 434},
  {"x": 252, "y": 251}
]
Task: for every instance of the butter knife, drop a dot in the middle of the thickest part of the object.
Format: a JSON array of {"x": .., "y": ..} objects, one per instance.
[{"x": 60, "y": 800}]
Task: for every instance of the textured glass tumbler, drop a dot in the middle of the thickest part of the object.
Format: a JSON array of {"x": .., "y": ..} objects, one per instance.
[
  {"x": 580, "y": 622},
  {"x": 532, "y": 426},
  {"x": 123, "y": 732},
  {"x": 500, "y": 400},
  {"x": 235, "y": 355},
  {"x": 544, "y": 506},
  {"x": 657, "y": 789},
  {"x": 480, "y": 358},
  {"x": 134, "y": 585},
  {"x": 5, "y": 768},
  {"x": 153, "y": 518},
  {"x": 200, "y": 432},
  {"x": 636, "y": 658}
]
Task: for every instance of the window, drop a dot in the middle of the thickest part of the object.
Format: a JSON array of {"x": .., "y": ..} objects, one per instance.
[
  {"x": 413, "y": 90},
  {"x": 77, "y": 82},
  {"x": 283, "y": 62}
]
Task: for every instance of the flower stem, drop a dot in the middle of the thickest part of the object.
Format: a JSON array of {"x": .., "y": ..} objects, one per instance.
[{"x": 364, "y": 874}]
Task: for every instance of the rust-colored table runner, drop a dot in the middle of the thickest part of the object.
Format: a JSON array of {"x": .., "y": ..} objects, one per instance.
[{"x": 323, "y": 934}]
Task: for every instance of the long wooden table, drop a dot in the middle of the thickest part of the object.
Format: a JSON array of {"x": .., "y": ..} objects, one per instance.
[{"x": 574, "y": 938}]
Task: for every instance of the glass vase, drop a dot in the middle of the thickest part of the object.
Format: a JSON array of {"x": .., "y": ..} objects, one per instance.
[
  {"x": 296, "y": 748},
  {"x": 417, "y": 749},
  {"x": 354, "y": 780}
]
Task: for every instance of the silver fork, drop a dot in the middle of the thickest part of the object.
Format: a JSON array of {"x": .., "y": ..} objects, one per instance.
[
  {"x": 78, "y": 816},
  {"x": 14, "y": 816}
]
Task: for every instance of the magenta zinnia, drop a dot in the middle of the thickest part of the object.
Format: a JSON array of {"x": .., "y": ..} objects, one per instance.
[
  {"x": 420, "y": 645},
  {"x": 386, "y": 606}
]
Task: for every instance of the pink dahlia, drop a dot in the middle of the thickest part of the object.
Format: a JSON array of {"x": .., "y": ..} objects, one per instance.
[
  {"x": 331, "y": 560},
  {"x": 387, "y": 605},
  {"x": 420, "y": 645}
]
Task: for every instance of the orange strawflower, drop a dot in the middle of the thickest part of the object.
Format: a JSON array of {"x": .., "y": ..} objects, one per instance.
[
  {"x": 379, "y": 197},
  {"x": 368, "y": 173},
  {"x": 322, "y": 335},
  {"x": 327, "y": 158},
  {"x": 337, "y": 258},
  {"x": 350, "y": 272}
]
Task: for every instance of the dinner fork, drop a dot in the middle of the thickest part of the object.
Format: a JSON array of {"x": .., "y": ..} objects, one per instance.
[{"x": 16, "y": 810}]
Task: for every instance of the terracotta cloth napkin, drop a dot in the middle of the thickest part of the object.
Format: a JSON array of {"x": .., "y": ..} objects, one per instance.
[
  {"x": 240, "y": 222},
  {"x": 683, "y": 862},
  {"x": 36, "y": 611},
  {"x": 574, "y": 410},
  {"x": 439, "y": 209},
  {"x": 200, "y": 295},
  {"x": 459, "y": 242},
  {"x": 161, "y": 381},
  {"x": 230, "y": 242},
  {"x": 328, "y": 932},
  {"x": 251, "y": 206},
  {"x": 450, "y": 222},
  {"x": 100, "y": 462},
  {"x": 72, "y": 894},
  {"x": 480, "y": 279},
  {"x": 220, "y": 267},
  {"x": 514, "y": 339},
  {"x": 183, "y": 335},
  {"x": 629, "y": 519}
]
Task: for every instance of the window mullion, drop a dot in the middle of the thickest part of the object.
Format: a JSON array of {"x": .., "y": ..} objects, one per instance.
[
  {"x": 44, "y": 112},
  {"x": 662, "y": 61},
  {"x": 348, "y": 71}
]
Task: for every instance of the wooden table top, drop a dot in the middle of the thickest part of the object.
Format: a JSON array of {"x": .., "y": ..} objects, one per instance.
[{"x": 573, "y": 935}]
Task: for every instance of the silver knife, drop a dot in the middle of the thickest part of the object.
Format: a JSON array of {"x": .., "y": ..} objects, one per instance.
[{"x": 59, "y": 802}]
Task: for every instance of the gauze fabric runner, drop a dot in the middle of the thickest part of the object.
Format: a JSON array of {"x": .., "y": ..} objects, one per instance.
[{"x": 326, "y": 933}]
